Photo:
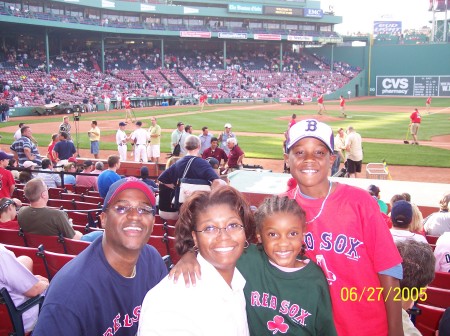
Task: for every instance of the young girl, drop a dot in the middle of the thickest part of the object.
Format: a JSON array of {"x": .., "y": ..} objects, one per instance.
[{"x": 283, "y": 292}]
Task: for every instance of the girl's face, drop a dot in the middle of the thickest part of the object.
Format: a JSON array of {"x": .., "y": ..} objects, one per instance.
[
  {"x": 281, "y": 235},
  {"x": 221, "y": 249}
]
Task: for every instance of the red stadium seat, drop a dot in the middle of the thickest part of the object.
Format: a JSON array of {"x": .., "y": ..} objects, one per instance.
[
  {"x": 62, "y": 204},
  {"x": 158, "y": 230},
  {"x": 441, "y": 280},
  {"x": 427, "y": 322},
  {"x": 87, "y": 206},
  {"x": 75, "y": 247},
  {"x": 32, "y": 252},
  {"x": 54, "y": 261},
  {"x": 12, "y": 237},
  {"x": 14, "y": 324},
  {"x": 438, "y": 297},
  {"x": 82, "y": 190},
  {"x": 78, "y": 218},
  {"x": 71, "y": 196},
  {"x": 93, "y": 199},
  {"x": 431, "y": 239},
  {"x": 160, "y": 244},
  {"x": 51, "y": 243},
  {"x": 55, "y": 193}
]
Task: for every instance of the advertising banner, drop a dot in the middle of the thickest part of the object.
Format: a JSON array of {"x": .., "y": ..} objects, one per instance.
[
  {"x": 245, "y": 8},
  {"x": 313, "y": 13},
  {"x": 235, "y": 36},
  {"x": 299, "y": 38},
  {"x": 413, "y": 86},
  {"x": 387, "y": 27},
  {"x": 444, "y": 86},
  {"x": 195, "y": 34},
  {"x": 267, "y": 37}
]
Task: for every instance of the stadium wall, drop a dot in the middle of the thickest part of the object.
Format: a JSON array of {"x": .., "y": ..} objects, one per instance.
[{"x": 416, "y": 70}]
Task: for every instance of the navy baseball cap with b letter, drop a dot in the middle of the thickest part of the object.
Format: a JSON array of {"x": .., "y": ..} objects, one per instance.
[{"x": 311, "y": 128}]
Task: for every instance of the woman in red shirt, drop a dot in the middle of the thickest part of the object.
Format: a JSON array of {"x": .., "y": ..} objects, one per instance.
[{"x": 8, "y": 212}]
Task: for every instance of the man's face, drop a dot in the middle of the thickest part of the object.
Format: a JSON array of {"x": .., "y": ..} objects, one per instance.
[
  {"x": 213, "y": 144},
  {"x": 153, "y": 121},
  {"x": 4, "y": 163},
  {"x": 28, "y": 133},
  {"x": 129, "y": 231},
  {"x": 227, "y": 129},
  {"x": 180, "y": 128},
  {"x": 93, "y": 125},
  {"x": 66, "y": 120},
  {"x": 205, "y": 132}
]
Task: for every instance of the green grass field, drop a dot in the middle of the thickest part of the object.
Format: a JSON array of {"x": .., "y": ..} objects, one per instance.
[{"x": 370, "y": 124}]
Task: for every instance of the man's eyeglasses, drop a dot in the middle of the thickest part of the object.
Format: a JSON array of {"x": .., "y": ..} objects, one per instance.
[
  {"x": 214, "y": 230},
  {"x": 142, "y": 210}
]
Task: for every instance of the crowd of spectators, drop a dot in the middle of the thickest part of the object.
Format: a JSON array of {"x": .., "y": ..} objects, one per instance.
[{"x": 76, "y": 78}]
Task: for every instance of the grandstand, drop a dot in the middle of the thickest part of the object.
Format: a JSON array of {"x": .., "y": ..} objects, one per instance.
[{"x": 57, "y": 52}]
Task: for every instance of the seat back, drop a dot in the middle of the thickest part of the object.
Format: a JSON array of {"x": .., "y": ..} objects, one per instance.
[
  {"x": 55, "y": 193},
  {"x": 12, "y": 237},
  {"x": 61, "y": 204},
  {"x": 82, "y": 189},
  {"x": 54, "y": 261},
  {"x": 78, "y": 218},
  {"x": 427, "y": 322},
  {"x": 158, "y": 230},
  {"x": 160, "y": 244},
  {"x": 32, "y": 252},
  {"x": 75, "y": 247},
  {"x": 87, "y": 206},
  {"x": 72, "y": 196},
  {"x": 431, "y": 239},
  {"x": 51, "y": 243},
  {"x": 93, "y": 199},
  {"x": 15, "y": 313},
  {"x": 438, "y": 297},
  {"x": 441, "y": 280}
]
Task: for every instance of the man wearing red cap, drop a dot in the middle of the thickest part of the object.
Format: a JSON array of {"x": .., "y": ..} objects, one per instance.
[{"x": 101, "y": 291}]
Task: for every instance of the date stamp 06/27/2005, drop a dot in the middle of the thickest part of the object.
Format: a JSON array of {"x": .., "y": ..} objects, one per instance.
[{"x": 372, "y": 294}]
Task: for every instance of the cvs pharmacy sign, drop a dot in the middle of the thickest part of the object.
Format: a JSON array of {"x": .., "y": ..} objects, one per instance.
[{"x": 395, "y": 85}]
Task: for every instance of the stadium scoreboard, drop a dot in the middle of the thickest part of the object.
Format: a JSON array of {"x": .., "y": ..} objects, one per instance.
[{"x": 413, "y": 86}]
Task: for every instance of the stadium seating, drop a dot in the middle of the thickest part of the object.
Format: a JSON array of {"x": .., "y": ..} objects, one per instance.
[
  {"x": 438, "y": 297},
  {"x": 14, "y": 324},
  {"x": 441, "y": 280},
  {"x": 75, "y": 247},
  {"x": 12, "y": 237},
  {"x": 51, "y": 243},
  {"x": 53, "y": 261},
  {"x": 427, "y": 322},
  {"x": 32, "y": 252}
]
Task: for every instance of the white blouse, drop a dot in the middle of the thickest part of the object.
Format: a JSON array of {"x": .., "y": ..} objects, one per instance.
[{"x": 209, "y": 308}]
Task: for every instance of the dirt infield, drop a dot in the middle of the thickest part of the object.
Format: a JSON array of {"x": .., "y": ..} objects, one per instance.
[{"x": 401, "y": 173}]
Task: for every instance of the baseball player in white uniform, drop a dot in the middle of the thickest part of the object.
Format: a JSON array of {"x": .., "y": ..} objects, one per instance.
[
  {"x": 140, "y": 138},
  {"x": 121, "y": 141}
]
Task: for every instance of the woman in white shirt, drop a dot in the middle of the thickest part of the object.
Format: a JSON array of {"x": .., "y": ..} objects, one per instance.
[{"x": 214, "y": 223}]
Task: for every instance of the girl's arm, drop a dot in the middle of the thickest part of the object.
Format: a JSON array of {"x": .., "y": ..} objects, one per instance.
[{"x": 393, "y": 307}]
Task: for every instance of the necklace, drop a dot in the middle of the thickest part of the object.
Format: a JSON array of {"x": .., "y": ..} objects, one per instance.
[
  {"x": 133, "y": 274},
  {"x": 297, "y": 191}
]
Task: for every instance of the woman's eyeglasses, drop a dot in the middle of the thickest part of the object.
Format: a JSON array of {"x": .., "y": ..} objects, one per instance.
[{"x": 214, "y": 230}]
